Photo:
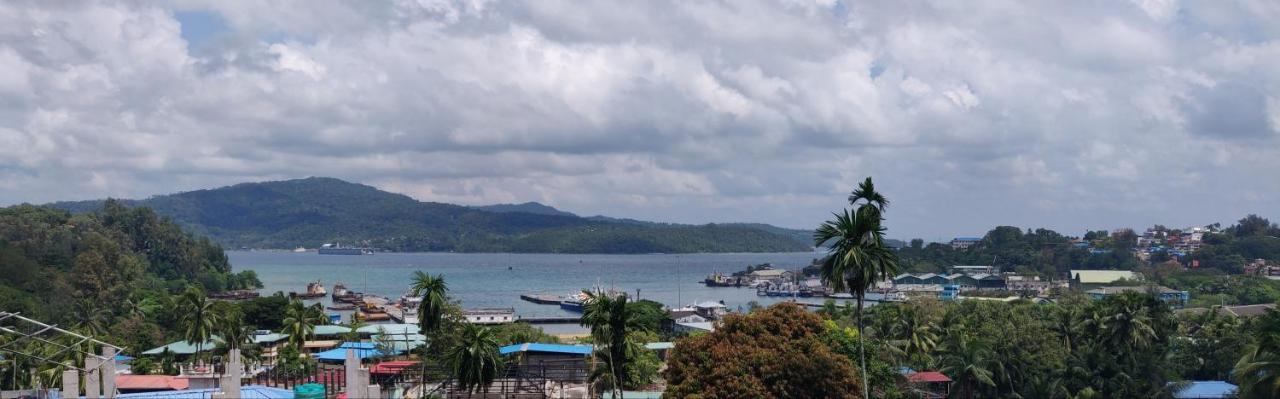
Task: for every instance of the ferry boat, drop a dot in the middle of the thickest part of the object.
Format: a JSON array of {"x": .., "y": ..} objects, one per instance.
[
  {"x": 573, "y": 303},
  {"x": 338, "y": 249}
]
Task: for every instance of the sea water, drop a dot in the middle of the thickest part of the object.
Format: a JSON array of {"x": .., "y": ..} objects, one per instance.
[{"x": 497, "y": 280}]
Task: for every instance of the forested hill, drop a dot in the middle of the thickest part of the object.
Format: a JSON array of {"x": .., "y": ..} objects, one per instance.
[
  {"x": 62, "y": 267},
  {"x": 309, "y": 212}
]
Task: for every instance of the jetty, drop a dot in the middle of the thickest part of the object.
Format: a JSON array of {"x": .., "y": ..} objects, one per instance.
[
  {"x": 551, "y": 319},
  {"x": 542, "y": 299}
]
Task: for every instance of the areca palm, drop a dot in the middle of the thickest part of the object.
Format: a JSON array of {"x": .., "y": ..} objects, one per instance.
[
  {"x": 857, "y": 256},
  {"x": 197, "y": 317},
  {"x": 434, "y": 294},
  {"x": 476, "y": 360},
  {"x": 609, "y": 319}
]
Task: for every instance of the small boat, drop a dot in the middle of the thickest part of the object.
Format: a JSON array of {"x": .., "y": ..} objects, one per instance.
[
  {"x": 347, "y": 307},
  {"x": 721, "y": 280}
]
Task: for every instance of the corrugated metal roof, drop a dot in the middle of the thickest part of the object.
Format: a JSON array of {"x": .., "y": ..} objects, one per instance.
[
  {"x": 331, "y": 329},
  {"x": 1207, "y": 390},
  {"x": 584, "y": 350},
  {"x": 928, "y": 376},
  {"x": 247, "y": 392},
  {"x": 392, "y": 329}
]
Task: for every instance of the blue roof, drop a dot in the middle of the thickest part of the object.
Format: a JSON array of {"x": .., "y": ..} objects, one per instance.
[
  {"x": 246, "y": 392},
  {"x": 1207, "y": 389},
  {"x": 364, "y": 351},
  {"x": 584, "y": 350}
]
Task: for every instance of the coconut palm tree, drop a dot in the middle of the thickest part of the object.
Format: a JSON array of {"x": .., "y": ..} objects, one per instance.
[
  {"x": 434, "y": 294},
  {"x": 91, "y": 318},
  {"x": 1127, "y": 323},
  {"x": 964, "y": 359},
  {"x": 300, "y": 322},
  {"x": 610, "y": 321},
  {"x": 197, "y": 317},
  {"x": 918, "y": 334},
  {"x": 1258, "y": 373},
  {"x": 856, "y": 259},
  {"x": 475, "y": 361},
  {"x": 235, "y": 334}
]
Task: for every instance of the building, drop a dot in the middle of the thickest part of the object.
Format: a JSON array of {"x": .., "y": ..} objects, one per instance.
[
  {"x": 490, "y": 315},
  {"x": 770, "y": 274},
  {"x": 1175, "y": 298},
  {"x": 929, "y": 384},
  {"x": 538, "y": 353},
  {"x": 970, "y": 270},
  {"x": 1237, "y": 311},
  {"x": 710, "y": 310},
  {"x": 689, "y": 328},
  {"x": 960, "y": 243},
  {"x": 1087, "y": 278},
  {"x": 990, "y": 282}
]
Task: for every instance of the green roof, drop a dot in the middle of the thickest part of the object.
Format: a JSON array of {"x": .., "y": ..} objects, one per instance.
[
  {"x": 389, "y": 329},
  {"x": 187, "y": 348},
  {"x": 331, "y": 329}
]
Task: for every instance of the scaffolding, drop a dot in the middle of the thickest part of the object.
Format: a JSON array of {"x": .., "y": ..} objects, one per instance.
[{"x": 98, "y": 369}]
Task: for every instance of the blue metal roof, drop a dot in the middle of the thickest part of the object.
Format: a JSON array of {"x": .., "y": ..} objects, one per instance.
[
  {"x": 364, "y": 350},
  {"x": 1207, "y": 389},
  {"x": 584, "y": 350}
]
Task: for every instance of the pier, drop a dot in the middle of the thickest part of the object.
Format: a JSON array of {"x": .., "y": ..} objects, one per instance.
[
  {"x": 542, "y": 299},
  {"x": 551, "y": 319}
]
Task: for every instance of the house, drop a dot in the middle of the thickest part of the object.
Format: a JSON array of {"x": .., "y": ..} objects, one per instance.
[
  {"x": 710, "y": 310},
  {"x": 1206, "y": 390},
  {"x": 490, "y": 315},
  {"x": 692, "y": 318},
  {"x": 929, "y": 384},
  {"x": 964, "y": 282},
  {"x": 1086, "y": 278},
  {"x": 1175, "y": 298},
  {"x": 960, "y": 243}
]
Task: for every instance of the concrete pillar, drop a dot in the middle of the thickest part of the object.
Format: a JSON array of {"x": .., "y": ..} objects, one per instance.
[
  {"x": 373, "y": 392},
  {"x": 352, "y": 368},
  {"x": 92, "y": 382},
  {"x": 71, "y": 383},
  {"x": 109, "y": 373},
  {"x": 234, "y": 369}
]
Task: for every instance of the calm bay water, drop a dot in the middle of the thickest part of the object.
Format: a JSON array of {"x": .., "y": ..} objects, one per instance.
[{"x": 497, "y": 280}]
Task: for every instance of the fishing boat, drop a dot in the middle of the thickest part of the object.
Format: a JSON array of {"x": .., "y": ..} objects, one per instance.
[
  {"x": 720, "y": 280},
  {"x": 342, "y": 294},
  {"x": 574, "y": 303}
]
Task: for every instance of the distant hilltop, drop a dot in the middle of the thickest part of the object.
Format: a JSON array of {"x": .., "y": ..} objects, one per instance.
[{"x": 308, "y": 212}]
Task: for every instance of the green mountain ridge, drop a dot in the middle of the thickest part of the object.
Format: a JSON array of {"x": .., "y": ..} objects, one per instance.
[{"x": 311, "y": 211}]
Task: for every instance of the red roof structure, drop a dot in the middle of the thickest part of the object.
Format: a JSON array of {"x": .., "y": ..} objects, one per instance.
[
  {"x": 928, "y": 376},
  {"x": 150, "y": 383},
  {"x": 393, "y": 367}
]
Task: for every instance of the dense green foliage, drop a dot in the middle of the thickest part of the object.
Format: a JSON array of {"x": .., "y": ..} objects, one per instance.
[
  {"x": 309, "y": 212},
  {"x": 778, "y": 352},
  {"x": 122, "y": 262},
  {"x": 1130, "y": 345}
]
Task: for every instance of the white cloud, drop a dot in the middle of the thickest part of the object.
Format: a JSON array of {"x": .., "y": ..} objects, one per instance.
[{"x": 1022, "y": 113}]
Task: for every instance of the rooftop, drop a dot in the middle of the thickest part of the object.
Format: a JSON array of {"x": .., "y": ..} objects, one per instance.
[
  {"x": 928, "y": 376},
  {"x": 1206, "y": 389},
  {"x": 584, "y": 350},
  {"x": 132, "y": 382},
  {"x": 1102, "y": 276},
  {"x": 247, "y": 392},
  {"x": 1141, "y": 289}
]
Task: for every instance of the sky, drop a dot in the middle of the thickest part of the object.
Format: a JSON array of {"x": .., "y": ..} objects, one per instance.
[{"x": 1066, "y": 115}]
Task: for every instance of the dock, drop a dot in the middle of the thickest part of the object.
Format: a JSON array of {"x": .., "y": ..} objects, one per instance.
[
  {"x": 542, "y": 299},
  {"x": 551, "y": 319}
]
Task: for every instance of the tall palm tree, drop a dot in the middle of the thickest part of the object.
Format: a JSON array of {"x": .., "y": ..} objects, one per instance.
[
  {"x": 235, "y": 334},
  {"x": 434, "y": 294},
  {"x": 964, "y": 359},
  {"x": 1127, "y": 323},
  {"x": 475, "y": 360},
  {"x": 917, "y": 333},
  {"x": 197, "y": 317},
  {"x": 857, "y": 257},
  {"x": 866, "y": 192},
  {"x": 300, "y": 322},
  {"x": 610, "y": 321},
  {"x": 91, "y": 318}
]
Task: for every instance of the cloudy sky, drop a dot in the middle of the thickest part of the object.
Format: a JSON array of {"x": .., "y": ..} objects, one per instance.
[{"x": 1068, "y": 115}]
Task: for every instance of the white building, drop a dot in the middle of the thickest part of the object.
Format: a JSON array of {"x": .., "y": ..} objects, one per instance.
[{"x": 490, "y": 315}]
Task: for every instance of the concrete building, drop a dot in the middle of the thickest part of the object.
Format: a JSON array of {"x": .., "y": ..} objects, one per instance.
[
  {"x": 490, "y": 315},
  {"x": 960, "y": 243}
]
